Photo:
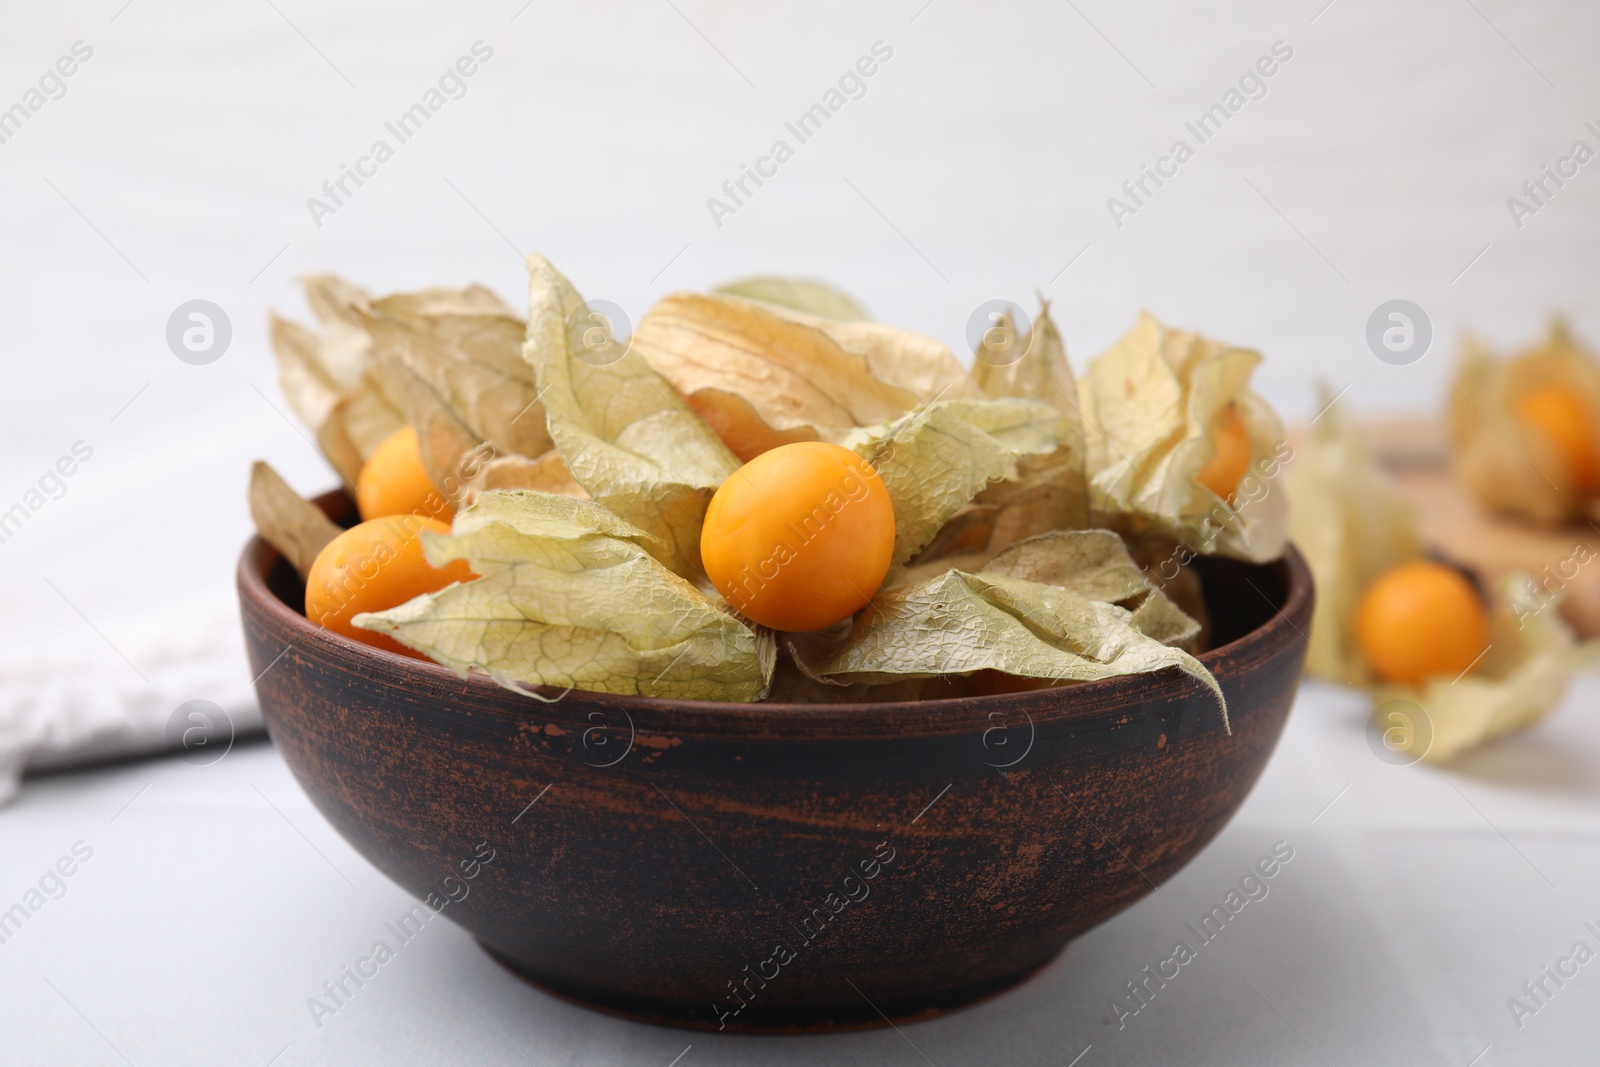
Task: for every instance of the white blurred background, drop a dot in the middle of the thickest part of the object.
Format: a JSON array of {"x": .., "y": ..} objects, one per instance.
[{"x": 977, "y": 165}]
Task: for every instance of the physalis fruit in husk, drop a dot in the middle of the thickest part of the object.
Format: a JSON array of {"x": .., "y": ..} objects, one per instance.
[
  {"x": 762, "y": 460},
  {"x": 1526, "y": 430},
  {"x": 1422, "y": 619},
  {"x": 1179, "y": 446},
  {"x": 1402, "y": 626}
]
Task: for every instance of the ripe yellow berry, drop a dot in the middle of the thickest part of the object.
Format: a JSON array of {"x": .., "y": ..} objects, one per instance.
[
  {"x": 394, "y": 482},
  {"x": 800, "y": 537},
  {"x": 1561, "y": 418},
  {"x": 1232, "y": 457},
  {"x": 1420, "y": 620},
  {"x": 373, "y": 567}
]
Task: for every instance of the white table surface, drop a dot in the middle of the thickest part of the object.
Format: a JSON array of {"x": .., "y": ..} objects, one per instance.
[
  {"x": 977, "y": 166},
  {"x": 1417, "y": 902}
]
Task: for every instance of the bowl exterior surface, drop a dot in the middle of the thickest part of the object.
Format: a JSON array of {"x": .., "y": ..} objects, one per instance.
[{"x": 762, "y": 867}]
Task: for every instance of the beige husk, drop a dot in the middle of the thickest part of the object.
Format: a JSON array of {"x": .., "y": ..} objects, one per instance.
[
  {"x": 632, "y": 442},
  {"x": 1531, "y": 657},
  {"x": 1352, "y": 523},
  {"x": 798, "y": 294},
  {"x": 940, "y": 456},
  {"x": 287, "y": 521},
  {"x": 1065, "y": 606},
  {"x": 583, "y": 482},
  {"x": 1150, "y": 407},
  {"x": 765, "y": 375},
  {"x": 569, "y": 595},
  {"x": 447, "y": 361},
  {"x": 327, "y": 378},
  {"x": 1506, "y": 464}
]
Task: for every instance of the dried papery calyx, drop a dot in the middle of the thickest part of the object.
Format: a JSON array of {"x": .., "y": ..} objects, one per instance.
[{"x": 1526, "y": 429}]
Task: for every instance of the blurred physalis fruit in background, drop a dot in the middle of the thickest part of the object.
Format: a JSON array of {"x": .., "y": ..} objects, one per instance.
[
  {"x": 1563, "y": 420},
  {"x": 1526, "y": 430},
  {"x": 1421, "y": 620}
]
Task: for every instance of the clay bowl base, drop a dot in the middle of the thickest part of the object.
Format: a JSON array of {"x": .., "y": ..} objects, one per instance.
[{"x": 846, "y": 1016}]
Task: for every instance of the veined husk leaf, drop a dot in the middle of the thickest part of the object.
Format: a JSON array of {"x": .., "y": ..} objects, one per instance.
[
  {"x": 1091, "y": 563},
  {"x": 1532, "y": 655},
  {"x": 466, "y": 346},
  {"x": 1163, "y": 619},
  {"x": 544, "y": 515},
  {"x": 327, "y": 377},
  {"x": 1150, "y": 406},
  {"x": 937, "y": 458},
  {"x": 1098, "y": 565},
  {"x": 286, "y": 520},
  {"x": 631, "y": 441},
  {"x": 547, "y": 473},
  {"x": 1506, "y": 464},
  {"x": 764, "y": 375},
  {"x": 1040, "y": 372},
  {"x": 799, "y": 294},
  {"x": 1048, "y": 492},
  {"x": 459, "y": 462},
  {"x": 569, "y": 596},
  {"x": 345, "y": 346},
  {"x": 1352, "y": 523},
  {"x": 452, "y": 359},
  {"x": 959, "y": 622},
  {"x": 1163, "y": 562}
]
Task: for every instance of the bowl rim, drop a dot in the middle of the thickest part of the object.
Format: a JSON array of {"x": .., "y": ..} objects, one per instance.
[{"x": 259, "y": 557}]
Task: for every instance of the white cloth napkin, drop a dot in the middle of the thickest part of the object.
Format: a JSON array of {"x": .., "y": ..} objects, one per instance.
[
  {"x": 76, "y": 700},
  {"x": 117, "y": 601}
]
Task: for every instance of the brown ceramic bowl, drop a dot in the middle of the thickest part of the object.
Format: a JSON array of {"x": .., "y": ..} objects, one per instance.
[{"x": 774, "y": 866}]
